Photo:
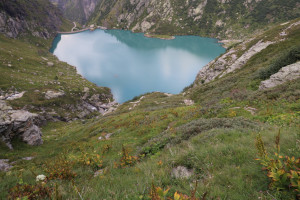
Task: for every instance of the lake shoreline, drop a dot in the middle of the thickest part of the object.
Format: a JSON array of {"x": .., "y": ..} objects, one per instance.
[{"x": 168, "y": 60}]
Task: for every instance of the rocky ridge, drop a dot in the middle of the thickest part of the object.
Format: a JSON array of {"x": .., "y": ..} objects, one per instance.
[{"x": 232, "y": 61}]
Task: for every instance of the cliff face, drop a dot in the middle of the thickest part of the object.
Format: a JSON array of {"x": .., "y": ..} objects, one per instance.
[
  {"x": 38, "y": 17},
  {"x": 215, "y": 18},
  {"x": 77, "y": 10}
]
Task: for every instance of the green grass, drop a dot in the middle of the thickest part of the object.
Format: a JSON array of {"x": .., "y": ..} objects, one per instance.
[
  {"x": 29, "y": 72},
  {"x": 223, "y": 158}
]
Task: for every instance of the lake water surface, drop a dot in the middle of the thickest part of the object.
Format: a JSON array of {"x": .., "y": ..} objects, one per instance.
[{"x": 131, "y": 64}]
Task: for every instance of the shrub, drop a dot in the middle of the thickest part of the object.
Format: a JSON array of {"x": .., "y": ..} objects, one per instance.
[
  {"x": 106, "y": 148},
  {"x": 60, "y": 168},
  {"x": 30, "y": 192},
  {"x": 283, "y": 171},
  {"x": 126, "y": 159},
  {"x": 157, "y": 193},
  {"x": 91, "y": 159}
]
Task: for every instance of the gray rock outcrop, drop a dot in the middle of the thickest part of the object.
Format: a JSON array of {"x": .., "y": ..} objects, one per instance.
[
  {"x": 16, "y": 18},
  {"x": 287, "y": 73},
  {"x": 4, "y": 166},
  {"x": 18, "y": 123},
  {"x": 52, "y": 94},
  {"x": 229, "y": 62}
]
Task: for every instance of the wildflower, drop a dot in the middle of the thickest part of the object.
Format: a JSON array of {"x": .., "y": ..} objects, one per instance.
[{"x": 40, "y": 178}]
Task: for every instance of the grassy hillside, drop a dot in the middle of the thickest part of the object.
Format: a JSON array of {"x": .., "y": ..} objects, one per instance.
[
  {"x": 24, "y": 67},
  {"x": 214, "y": 138}
]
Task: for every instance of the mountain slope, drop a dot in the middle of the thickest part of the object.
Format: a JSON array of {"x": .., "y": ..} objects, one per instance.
[
  {"x": 37, "y": 17},
  {"x": 214, "y": 18},
  {"x": 77, "y": 10},
  {"x": 145, "y": 141}
]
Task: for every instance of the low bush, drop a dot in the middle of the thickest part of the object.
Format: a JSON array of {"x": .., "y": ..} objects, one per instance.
[
  {"x": 30, "y": 192},
  {"x": 60, "y": 168},
  {"x": 157, "y": 193},
  {"x": 283, "y": 171},
  {"x": 126, "y": 159}
]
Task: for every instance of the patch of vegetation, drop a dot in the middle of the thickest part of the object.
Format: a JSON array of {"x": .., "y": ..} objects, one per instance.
[{"x": 283, "y": 171}]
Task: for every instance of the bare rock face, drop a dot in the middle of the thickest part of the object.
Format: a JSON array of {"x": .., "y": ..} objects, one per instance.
[
  {"x": 229, "y": 62},
  {"x": 16, "y": 19},
  {"x": 288, "y": 73},
  {"x": 77, "y": 10},
  {"x": 18, "y": 123}
]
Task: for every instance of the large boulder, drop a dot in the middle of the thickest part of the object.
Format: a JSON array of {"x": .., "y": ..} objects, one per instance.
[{"x": 18, "y": 123}]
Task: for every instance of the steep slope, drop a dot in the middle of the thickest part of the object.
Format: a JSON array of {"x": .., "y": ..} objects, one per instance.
[
  {"x": 37, "y": 17},
  {"x": 77, "y": 10},
  {"x": 205, "y": 135},
  {"x": 214, "y": 18},
  {"x": 35, "y": 87}
]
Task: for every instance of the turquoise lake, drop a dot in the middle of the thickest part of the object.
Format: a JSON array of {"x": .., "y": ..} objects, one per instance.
[{"x": 131, "y": 64}]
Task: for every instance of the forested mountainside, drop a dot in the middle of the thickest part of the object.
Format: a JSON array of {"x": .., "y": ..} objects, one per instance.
[
  {"x": 37, "y": 17},
  {"x": 213, "y": 18},
  {"x": 77, "y": 10}
]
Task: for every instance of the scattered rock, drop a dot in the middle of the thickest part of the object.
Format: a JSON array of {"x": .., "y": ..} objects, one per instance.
[
  {"x": 4, "y": 166},
  {"x": 189, "y": 102},
  {"x": 182, "y": 172},
  {"x": 251, "y": 110},
  {"x": 100, "y": 138},
  {"x": 28, "y": 158},
  {"x": 16, "y": 96},
  {"x": 52, "y": 94},
  {"x": 86, "y": 89},
  {"x": 50, "y": 64},
  {"x": 287, "y": 73},
  {"x": 107, "y": 136},
  {"x": 136, "y": 103},
  {"x": 168, "y": 94},
  {"x": 99, "y": 172}
]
